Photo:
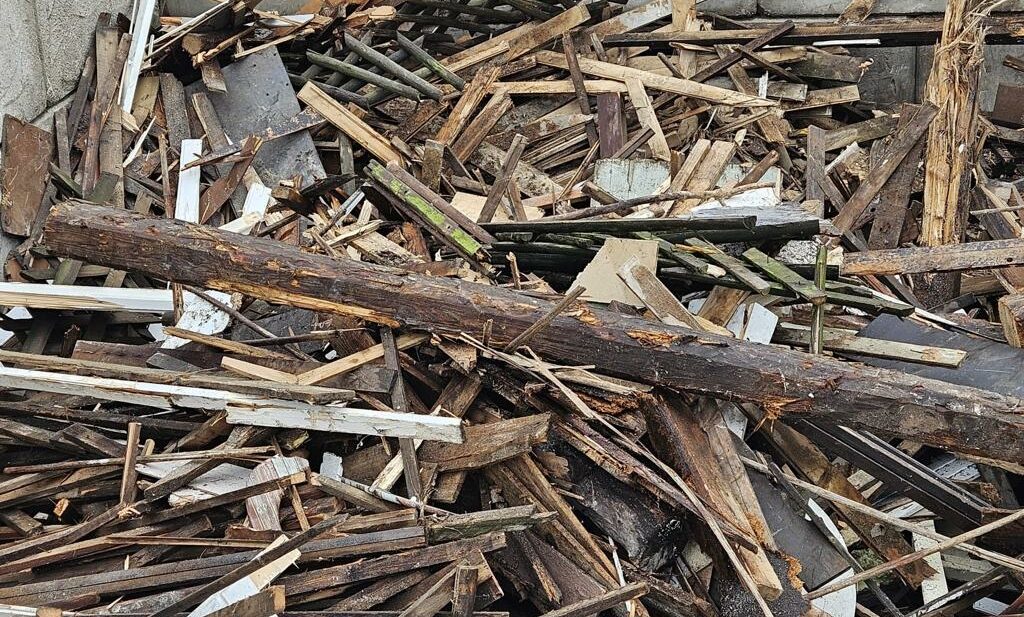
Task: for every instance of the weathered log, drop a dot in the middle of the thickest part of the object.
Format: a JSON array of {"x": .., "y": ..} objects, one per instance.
[{"x": 786, "y": 383}]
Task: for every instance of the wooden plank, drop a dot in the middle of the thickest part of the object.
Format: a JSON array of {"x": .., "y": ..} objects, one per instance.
[
  {"x": 611, "y": 124},
  {"x": 74, "y": 297},
  {"x": 902, "y": 144},
  {"x": 129, "y": 475},
  {"x": 27, "y": 151},
  {"x": 543, "y": 33},
  {"x": 660, "y": 301},
  {"x": 477, "y": 130},
  {"x": 951, "y": 258},
  {"x": 847, "y": 341},
  {"x": 655, "y": 81},
  {"x": 349, "y": 124},
  {"x": 704, "y": 175},
  {"x": 470, "y": 98},
  {"x": 824, "y": 98},
  {"x": 351, "y": 362},
  {"x": 497, "y": 192},
  {"x": 648, "y": 118}
]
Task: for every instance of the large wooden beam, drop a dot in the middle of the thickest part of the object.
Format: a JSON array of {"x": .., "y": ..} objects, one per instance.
[{"x": 786, "y": 383}]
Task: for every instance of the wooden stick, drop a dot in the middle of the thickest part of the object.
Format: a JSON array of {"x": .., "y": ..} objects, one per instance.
[
  {"x": 593, "y": 606},
  {"x": 921, "y": 554},
  {"x": 130, "y": 475},
  {"x": 265, "y": 558},
  {"x": 889, "y": 519},
  {"x": 544, "y": 321}
]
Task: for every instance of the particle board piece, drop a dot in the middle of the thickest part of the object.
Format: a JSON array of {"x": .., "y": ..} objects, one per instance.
[{"x": 599, "y": 277}]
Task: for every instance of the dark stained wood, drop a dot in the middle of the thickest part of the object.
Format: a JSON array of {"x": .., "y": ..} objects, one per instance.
[
  {"x": 611, "y": 123},
  {"x": 903, "y": 143},
  {"x": 27, "y": 151}
]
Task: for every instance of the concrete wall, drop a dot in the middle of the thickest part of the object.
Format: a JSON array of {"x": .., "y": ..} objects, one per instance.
[{"x": 44, "y": 43}]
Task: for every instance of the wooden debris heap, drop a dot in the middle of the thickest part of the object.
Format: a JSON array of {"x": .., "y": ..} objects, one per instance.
[{"x": 424, "y": 307}]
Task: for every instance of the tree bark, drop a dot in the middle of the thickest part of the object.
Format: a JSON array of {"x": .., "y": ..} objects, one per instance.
[{"x": 786, "y": 383}]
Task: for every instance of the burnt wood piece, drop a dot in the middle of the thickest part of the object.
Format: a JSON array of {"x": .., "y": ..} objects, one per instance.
[{"x": 787, "y": 383}]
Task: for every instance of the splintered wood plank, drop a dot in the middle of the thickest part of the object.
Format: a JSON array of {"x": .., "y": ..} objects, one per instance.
[
  {"x": 953, "y": 88},
  {"x": 475, "y": 132},
  {"x": 704, "y": 175},
  {"x": 659, "y": 299},
  {"x": 27, "y": 151},
  {"x": 264, "y": 510},
  {"x": 951, "y": 258},
  {"x": 674, "y": 424},
  {"x": 815, "y": 174},
  {"x": 648, "y": 118},
  {"x": 349, "y": 124},
  {"x": 655, "y": 81},
  {"x": 902, "y": 144},
  {"x": 338, "y": 419},
  {"x": 684, "y": 17},
  {"x": 636, "y": 17},
  {"x": 559, "y": 86},
  {"x": 893, "y": 204},
  {"x": 471, "y": 97},
  {"x": 489, "y": 443}
]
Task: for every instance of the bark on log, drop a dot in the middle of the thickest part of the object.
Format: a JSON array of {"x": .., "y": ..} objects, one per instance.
[{"x": 786, "y": 383}]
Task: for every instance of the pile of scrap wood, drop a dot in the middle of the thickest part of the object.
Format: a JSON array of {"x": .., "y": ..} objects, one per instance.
[{"x": 424, "y": 307}]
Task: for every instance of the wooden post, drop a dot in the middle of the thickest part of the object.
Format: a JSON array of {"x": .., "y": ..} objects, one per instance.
[{"x": 952, "y": 138}]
